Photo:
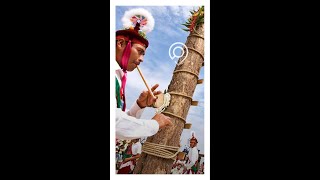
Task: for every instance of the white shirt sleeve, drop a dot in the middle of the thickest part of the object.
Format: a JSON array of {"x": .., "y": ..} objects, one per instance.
[
  {"x": 193, "y": 157},
  {"x": 128, "y": 127},
  {"x": 135, "y": 110}
]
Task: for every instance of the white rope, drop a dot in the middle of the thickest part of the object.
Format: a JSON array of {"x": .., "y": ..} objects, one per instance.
[{"x": 166, "y": 102}]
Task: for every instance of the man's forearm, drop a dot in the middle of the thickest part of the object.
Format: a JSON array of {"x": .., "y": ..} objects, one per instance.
[{"x": 133, "y": 157}]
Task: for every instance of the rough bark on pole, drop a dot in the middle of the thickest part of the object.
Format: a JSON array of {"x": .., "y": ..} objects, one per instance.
[{"x": 184, "y": 83}]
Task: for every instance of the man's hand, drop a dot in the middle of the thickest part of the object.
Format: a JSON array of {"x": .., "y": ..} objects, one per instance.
[
  {"x": 145, "y": 99},
  {"x": 163, "y": 120},
  {"x": 124, "y": 161}
]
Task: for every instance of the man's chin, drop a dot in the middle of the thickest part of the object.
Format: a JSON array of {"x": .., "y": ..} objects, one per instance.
[{"x": 131, "y": 68}]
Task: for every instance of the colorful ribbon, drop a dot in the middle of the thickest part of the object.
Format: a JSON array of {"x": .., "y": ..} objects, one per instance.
[{"x": 124, "y": 65}]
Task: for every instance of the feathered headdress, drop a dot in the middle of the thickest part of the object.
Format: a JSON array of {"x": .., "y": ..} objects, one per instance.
[
  {"x": 141, "y": 16},
  {"x": 136, "y": 23},
  {"x": 193, "y": 136}
]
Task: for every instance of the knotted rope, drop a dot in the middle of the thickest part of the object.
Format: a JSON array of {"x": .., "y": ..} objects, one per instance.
[{"x": 160, "y": 150}]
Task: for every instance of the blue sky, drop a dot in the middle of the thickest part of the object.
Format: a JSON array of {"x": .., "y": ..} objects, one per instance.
[{"x": 158, "y": 66}]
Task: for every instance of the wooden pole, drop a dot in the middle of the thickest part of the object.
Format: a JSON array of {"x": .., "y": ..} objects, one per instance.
[{"x": 184, "y": 83}]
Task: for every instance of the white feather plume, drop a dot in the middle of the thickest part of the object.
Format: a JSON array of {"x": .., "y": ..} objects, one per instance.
[
  {"x": 138, "y": 11},
  {"x": 193, "y": 134}
]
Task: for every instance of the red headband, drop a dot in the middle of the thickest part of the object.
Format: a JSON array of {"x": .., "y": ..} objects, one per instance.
[{"x": 134, "y": 40}]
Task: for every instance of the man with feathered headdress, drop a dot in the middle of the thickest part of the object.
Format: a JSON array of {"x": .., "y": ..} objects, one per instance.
[
  {"x": 193, "y": 154},
  {"x": 131, "y": 44}
]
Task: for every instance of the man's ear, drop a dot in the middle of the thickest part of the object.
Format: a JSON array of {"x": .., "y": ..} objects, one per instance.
[{"x": 120, "y": 43}]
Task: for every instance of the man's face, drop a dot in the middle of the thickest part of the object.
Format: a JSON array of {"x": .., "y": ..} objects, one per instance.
[
  {"x": 136, "y": 55},
  {"x": 193, "y": 143}
]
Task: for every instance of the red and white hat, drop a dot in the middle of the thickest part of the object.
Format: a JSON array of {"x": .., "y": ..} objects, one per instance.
[{"x": 136, "y": 23}]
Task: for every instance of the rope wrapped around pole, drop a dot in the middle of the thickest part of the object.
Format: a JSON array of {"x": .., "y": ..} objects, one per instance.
[
  {"x": 180, "y": 94},
  {"x": 181, "y": 118},
  {"x": 196, "y": 35},
  {"x": 196, "y": 52},
  {"x": 160, "y": 150},
  {"x": 182, "y": 70}
]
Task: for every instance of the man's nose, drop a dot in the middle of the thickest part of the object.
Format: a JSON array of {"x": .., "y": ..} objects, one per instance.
[{"x": 141, "y": 58}]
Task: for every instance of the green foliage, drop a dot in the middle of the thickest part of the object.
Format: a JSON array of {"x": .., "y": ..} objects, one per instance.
[{"x": 198, "y": 14}]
